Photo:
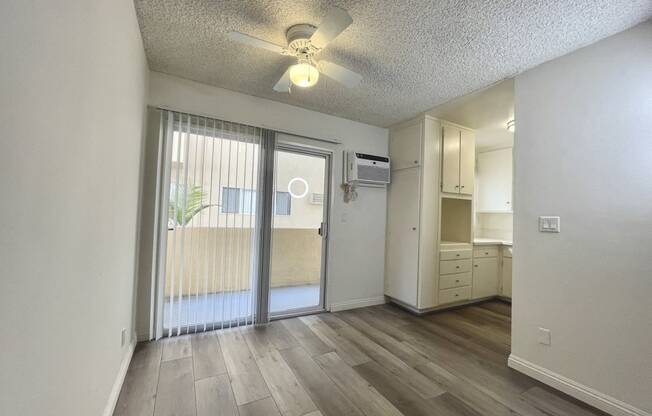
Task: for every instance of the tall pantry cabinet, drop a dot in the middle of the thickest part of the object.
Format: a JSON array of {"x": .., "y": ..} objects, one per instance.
[{"x": 430, "y": 161}]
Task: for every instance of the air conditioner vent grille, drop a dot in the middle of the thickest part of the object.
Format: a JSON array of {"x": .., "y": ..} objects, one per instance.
[{"x": 373, "y": 174}]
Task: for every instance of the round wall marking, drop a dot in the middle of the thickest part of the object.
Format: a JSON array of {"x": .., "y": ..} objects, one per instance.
[{"x": 305, "y": 185}]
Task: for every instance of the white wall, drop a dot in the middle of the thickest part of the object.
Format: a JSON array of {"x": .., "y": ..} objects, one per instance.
[
  {"x": 357, "y": 235},
  {"x": 583, "y": 151},
  {"x": 73, "y": 80}
]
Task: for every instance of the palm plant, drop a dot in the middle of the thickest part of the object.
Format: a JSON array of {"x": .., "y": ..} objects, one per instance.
[{"x": 186, "y": 201}]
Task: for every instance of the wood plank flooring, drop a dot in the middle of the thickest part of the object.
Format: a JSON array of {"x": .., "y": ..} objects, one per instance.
[{"x": 373, "y": 361}]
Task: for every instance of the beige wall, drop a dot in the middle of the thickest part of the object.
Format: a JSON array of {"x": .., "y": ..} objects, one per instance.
[
  {"x": 218, "y": 259},
  {"x": 73, "y": 82},
  {"x": 583, "y": 151}
]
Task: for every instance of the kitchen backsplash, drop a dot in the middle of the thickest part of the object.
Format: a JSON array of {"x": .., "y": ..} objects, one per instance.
[{"x": 494, "y": 226}]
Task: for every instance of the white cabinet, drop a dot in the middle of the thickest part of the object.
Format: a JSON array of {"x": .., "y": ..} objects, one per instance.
[
  {"x": 450, "y": 163},
  {"x": 506, "y": 284},
  {"x": 458, "y": 160},
  {"x": 421, "y": 271},
  {"x": 485, "y": 277},
  {"x": 402, "y": 243},
  {"x": 494, "y": 181},
  {"x": 405, "y": 146},
  {"x": 467, "y": 162},
  {"x": 455, "y": 275},
  {"x": 411, "y": 268}
]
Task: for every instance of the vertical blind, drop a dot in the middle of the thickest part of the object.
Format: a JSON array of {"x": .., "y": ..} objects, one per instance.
[{"x": 211, "y": 257}]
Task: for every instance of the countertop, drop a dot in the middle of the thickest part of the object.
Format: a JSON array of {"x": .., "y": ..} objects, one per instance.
[{"x": 491, "y": 242}]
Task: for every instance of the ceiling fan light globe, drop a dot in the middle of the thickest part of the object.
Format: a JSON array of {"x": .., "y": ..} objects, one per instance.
[{"x": 304, "y": 75}]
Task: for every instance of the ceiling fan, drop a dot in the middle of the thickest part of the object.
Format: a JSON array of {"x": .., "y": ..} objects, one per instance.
[{"x": 304, "y": 42}]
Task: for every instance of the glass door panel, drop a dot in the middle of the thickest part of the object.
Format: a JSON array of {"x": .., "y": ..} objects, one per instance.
[
  {"x": 213, "y": 177},
  {"x": 298, "y": 243}
]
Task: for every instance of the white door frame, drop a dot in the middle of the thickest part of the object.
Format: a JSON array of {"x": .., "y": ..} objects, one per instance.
[{"x": 298, "y": 148}]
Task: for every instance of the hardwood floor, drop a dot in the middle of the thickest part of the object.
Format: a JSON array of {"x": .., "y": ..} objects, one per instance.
[{"x": 373, "y": 361}]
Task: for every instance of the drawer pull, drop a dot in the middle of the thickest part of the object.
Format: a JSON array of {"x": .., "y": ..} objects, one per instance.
[
  {"x": 457, "y": 280},
  {"x": 457, "y": 267},
  {"x": 457, "y": 294},
  {"x": 475, "y": 265},
  {"x": 457, "y": 255},
  {"x": 486, "y": 253}
]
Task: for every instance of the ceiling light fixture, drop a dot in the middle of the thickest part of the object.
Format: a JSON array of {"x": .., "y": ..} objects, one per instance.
[
  {"x": 304, "y": 42},
  {"x": 511, "y": 126},
  {"x": 304, "y": 74}
]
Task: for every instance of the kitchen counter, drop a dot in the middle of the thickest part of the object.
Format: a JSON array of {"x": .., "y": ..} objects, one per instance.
[{"x": 491, "y": 242}]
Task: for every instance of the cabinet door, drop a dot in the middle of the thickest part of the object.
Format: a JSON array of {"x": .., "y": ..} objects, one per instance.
[
  {"x": 405, "y": 146},
  {"x": 507, "y": 277},
  {"x": 485, "y": 277},
  {"x": 495, "y": 181},
  {"x": 467, "y": 162},
  {"x": 450, "y": 162},
  {"x": 402, "y": 245}
]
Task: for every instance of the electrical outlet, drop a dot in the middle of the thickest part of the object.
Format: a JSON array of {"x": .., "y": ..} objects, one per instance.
[
  {"x": 123, "y": 337},
  {"x": 544, "y": 336}
]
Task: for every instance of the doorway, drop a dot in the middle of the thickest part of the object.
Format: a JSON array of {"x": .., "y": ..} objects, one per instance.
[
  {"x": 299, "y": 230},
  {"x": 242, "y": 226}
]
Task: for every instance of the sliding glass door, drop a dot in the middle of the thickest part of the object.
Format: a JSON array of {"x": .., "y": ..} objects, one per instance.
[
  {"x": 212, "y": 213},
  {"x": 243, "y": 226},
  {"x": 299, "y": 231}
]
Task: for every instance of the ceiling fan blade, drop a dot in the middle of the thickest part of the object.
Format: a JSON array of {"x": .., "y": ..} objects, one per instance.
[
  {"x": 283, "y": 84},
  {"x": 331, "y": 25},
  {"x": 259, "y": 43},
  {"x": 340, "y": 74}
]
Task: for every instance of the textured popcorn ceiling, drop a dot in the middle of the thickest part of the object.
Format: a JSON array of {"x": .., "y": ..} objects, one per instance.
[{"x": 413, "y": 54}]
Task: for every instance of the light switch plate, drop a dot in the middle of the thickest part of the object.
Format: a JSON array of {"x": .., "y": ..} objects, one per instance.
[
  {"x": 549, "y": 224},
  {"x": 544, "y": 336}
]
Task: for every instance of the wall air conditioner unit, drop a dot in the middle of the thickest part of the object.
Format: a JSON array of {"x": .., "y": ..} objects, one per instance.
[
  {"x": 317, "y": 199},
  {"x": 367, "y": 170}
]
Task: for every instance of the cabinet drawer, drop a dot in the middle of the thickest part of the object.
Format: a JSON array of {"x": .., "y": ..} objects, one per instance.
[
  {"x": 454, "y": 254},
  {"x": 454, "y": 295},
  {"x": 454, "y": 280},
  {"x": 454, "y": 266},
  {"x": 487, "y": 251}
]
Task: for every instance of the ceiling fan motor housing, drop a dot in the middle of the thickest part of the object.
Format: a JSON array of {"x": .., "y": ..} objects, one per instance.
[{"x": 298, "y": 37}]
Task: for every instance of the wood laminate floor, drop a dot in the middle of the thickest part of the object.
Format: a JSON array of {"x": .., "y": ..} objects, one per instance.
[{"x": 372, "y": 361}]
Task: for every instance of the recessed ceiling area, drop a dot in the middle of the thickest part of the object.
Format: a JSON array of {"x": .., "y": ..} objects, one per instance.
[
  {"x": 412, "y": 54},
  {"x": 486, "y": 111}
]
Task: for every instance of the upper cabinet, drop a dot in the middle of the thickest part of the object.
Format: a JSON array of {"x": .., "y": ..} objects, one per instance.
[
  {"x": 495, "y": 181},
  {"x": 450, "y": 163},
  {"x": 458, "y": 160},
  {"x": 405, "y": 146}
]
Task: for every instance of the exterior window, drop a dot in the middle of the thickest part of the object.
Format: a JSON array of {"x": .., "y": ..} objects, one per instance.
[
  {"x": 283, "y": 204},
  {"x": 248, "y": 201},
  {"x": 230, "y": 200},
  {"x": 243, "y": 201}
]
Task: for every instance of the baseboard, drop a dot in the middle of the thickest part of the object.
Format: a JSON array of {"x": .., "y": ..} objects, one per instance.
[
  {"x": 581, "y": 392},
  {"x": 504, "y": 299},
  {"x": 119, "y": 380},
  {"x": 357, "y": 303},
  {"x": 440, "y": 308}
]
